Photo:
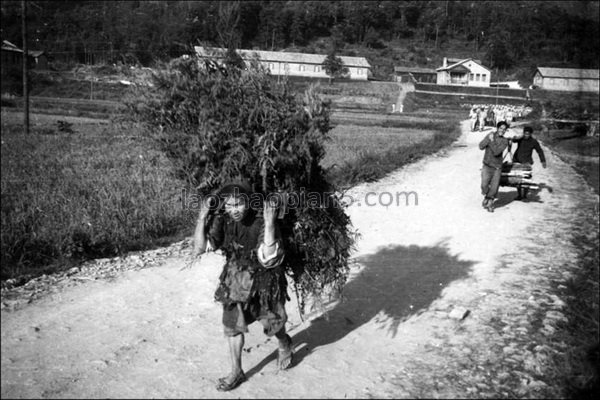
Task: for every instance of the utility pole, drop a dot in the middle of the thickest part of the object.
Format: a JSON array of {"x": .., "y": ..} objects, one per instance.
[
  {"x": 497, "y": 86},
  {"x": 25, "y": 67}
]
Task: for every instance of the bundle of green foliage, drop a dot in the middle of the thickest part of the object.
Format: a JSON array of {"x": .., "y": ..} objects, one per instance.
[{"x": 221, "y": 123}]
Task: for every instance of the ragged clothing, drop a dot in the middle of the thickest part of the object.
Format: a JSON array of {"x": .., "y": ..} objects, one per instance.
[{"x": 248, "y": 277}]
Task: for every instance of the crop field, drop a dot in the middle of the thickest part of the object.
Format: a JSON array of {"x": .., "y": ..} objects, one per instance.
[
  {"x": 82, "y": 185},
  {"x": 79, "y": 188},
  {"x": 350, "y": 142}
]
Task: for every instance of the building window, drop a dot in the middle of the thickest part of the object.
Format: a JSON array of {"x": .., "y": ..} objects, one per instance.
[
  {"x": 483, "y": 77},
  {"x": 317, "y": 68},
  {"x": 301, "y": 67},
  {"x": 471, "y": 77},
  {"x": 477, "y": 77},
  {"x": 271, "y": 66}
]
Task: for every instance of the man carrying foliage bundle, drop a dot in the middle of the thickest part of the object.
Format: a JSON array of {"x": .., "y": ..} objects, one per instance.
[{"x": 253, "y": 285}]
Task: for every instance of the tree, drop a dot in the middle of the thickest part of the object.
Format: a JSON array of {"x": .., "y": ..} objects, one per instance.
[
  {"x": 334, "y": 66},
  {"x": 373, "y": 40},
  {"x": 298, "y": 28},
  {"x": 498, "y": 52}
]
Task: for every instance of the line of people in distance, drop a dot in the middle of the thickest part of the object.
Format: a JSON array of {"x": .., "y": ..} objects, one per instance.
[{"x": 482, "y": 115}]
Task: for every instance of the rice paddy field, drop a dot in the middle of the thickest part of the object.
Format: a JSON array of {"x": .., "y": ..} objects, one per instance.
[
  {"x": 75, "y": 189},
  {"x": 350, "y": 142},
  {"x": 79, "y": 188}
]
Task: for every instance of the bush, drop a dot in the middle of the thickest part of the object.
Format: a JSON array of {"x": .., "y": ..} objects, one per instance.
[{"x": 12, "y": 80}]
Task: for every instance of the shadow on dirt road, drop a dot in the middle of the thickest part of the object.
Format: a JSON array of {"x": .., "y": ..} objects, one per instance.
[{"x": 396, "y": 282}]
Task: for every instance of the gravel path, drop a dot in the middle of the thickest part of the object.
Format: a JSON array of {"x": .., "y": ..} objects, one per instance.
[{"x": 445, "y": 300}]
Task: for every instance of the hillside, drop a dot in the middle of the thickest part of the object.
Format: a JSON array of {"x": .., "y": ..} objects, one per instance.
[{"x": 509, "y": 37}]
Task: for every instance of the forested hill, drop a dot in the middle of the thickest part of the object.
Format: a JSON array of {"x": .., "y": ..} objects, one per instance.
[{"x": 506, "y": 35}]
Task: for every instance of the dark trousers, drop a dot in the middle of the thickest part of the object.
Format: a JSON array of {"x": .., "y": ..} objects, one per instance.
[
  {"x": 522, "y": 191},
  {"x": 490, "y": 181}
]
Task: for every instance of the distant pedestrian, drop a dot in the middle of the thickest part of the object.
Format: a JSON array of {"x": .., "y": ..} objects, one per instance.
[
  {"x": 494, "y": 145},
  {"x": 473, "y": 115},
  {"x": 482, "y": 118},
  {"x": 510, "y": 116}
]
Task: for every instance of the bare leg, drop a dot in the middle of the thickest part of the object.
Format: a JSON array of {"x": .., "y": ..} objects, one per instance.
[
  {"x": 236, "y": 344},
  {"x": 285, "y": 349},
  {"x": 236, "y": 377}
]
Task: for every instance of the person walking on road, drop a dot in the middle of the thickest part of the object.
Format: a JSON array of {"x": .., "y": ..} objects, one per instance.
[
  {"x": 474, "y": 116},
  {"x": 253, "y": 285},
  {"x": 494, "y": 145},
  {"x": 482, "y": 118},
  {"x": 524, "y": 155}
]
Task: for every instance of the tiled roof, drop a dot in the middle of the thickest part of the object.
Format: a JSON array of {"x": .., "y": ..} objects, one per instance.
[
  {"x": 281, "y": 56},
  {"x": 569, "y": 73},
  {"x": 455, "y": 60},
  {"x": 449, "y": 67},
  {"x": 6, "y": 45},
  {"x": 415, "y": 70}
]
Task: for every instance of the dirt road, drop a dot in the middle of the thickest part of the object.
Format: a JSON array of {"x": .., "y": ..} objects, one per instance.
[{"x": 445, "y": 300}]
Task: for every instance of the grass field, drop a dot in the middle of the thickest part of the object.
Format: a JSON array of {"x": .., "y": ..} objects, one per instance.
[
  {"x": 351, "y": 142},
  {"x": 96, "y": 189},
  {"x": 81, "y": 191},
  {"x": 364, "y": 154},
  {"x": 581, "y": 152}
]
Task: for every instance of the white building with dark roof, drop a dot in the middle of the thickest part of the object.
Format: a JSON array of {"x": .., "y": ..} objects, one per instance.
[
  {"x": 295, "y": 64},
  {"x": 567, "y": 79},
  {"x": 468, "y": 72}
]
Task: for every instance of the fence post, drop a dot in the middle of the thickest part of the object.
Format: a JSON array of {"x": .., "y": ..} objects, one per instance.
[{"x": 25, "y": 67}]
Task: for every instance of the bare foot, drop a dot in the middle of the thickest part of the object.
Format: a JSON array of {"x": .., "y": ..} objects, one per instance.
[
  {"x": 285, "y": 354},
  {"x": 231, "y": 381}
]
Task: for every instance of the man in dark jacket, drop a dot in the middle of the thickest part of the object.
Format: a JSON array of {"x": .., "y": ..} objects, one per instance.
[
  {"x": 524, "y": 155},
  {"x": 494, "y": 144},
  {"x": 253, "y": 285}
]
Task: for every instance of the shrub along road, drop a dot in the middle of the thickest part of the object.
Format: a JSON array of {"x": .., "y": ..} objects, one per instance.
[{"x": 444, "y": 300}]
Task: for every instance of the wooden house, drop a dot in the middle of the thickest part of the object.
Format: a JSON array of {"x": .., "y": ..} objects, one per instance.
[
  {"x": 467, "y": 72},
  {"x": 294, "y": 64},
  {"x": 12, "y": 57},
  {"x": 415, "y": 74},
  {"x": 567, "y": 79}
]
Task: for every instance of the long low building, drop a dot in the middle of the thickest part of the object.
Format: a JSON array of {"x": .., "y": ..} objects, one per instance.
[
  {"x": 295, "y": 64},
  {"x": 567, "y": 79},
  {"x": 415, "y": 74}
]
